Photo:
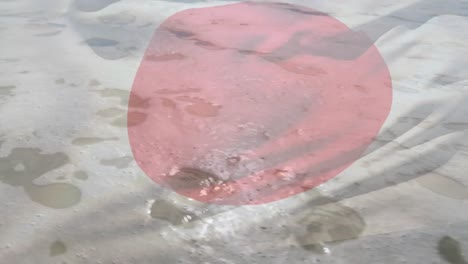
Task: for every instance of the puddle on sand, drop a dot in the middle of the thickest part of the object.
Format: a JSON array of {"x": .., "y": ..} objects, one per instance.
[
  {"x": 57, "y": 248},
  {"x": 168, "y": 212},
  {"x": 119, "y": 163},
  {"x": 444, "y": 186},
  {"x": 91, "y": 140},
  {"x": 449, "y": 250},
  {"x": 6, "y": 90},
  {"x": 24, "y": 165},
  {"x": 60, "y": 81},
  {"x": 328, "y": 222}
]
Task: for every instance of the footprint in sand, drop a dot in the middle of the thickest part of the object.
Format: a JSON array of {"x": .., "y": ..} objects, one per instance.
[
  {"x": 6, "y": 90},
  {"x": 57, "y": 248},
  {"x": 449, "y": 249}
]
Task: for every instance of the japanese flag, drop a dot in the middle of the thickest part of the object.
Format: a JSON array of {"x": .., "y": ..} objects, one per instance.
[{"x": 139, "y": 131}]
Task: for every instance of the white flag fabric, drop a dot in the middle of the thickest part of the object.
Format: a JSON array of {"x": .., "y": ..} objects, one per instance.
[{"x": 100, "y": 104}]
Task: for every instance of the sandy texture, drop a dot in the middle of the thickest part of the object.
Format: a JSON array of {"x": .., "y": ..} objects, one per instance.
[{"x": 71, "y": 192}]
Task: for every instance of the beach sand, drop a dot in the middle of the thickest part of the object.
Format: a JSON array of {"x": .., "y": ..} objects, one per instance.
[{"x": 72, "y": 192}]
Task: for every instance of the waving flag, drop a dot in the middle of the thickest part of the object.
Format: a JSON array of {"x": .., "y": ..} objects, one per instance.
[{"x": 140, "y": 131}]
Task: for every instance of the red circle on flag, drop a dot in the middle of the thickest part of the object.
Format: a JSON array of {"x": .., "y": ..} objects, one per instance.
[{"x": 251, "y": 103}]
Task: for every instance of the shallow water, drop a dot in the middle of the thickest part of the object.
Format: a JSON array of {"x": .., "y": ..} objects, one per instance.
[{"x": 73, "y": 192}]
